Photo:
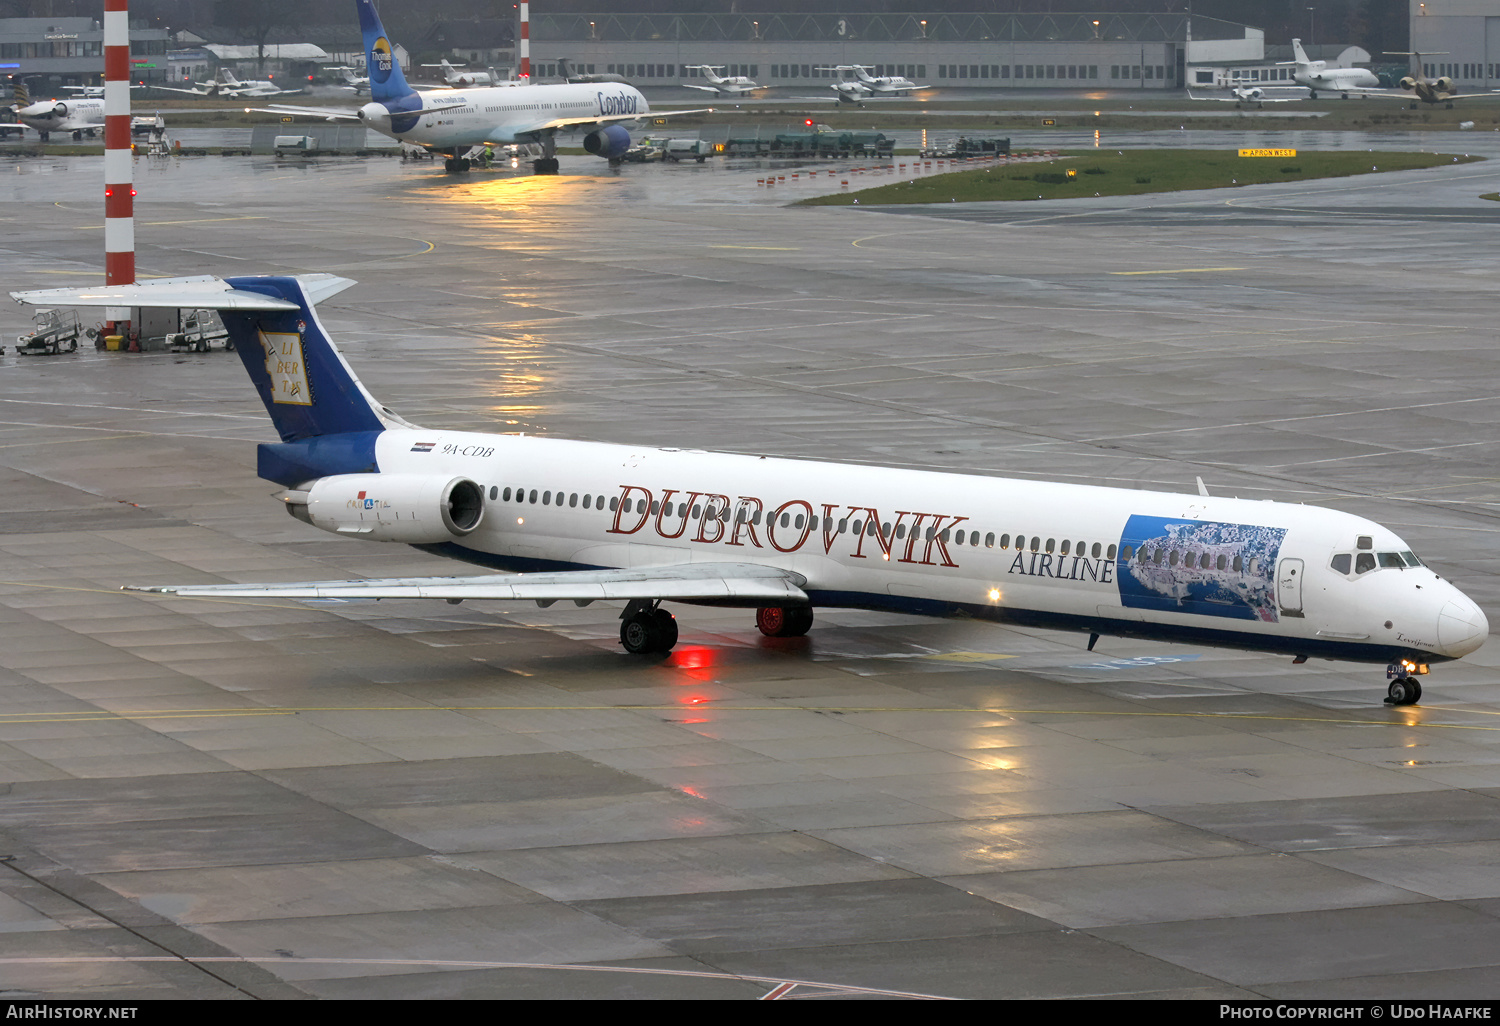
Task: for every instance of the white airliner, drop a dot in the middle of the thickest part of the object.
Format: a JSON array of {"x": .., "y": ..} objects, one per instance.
[
  {"x": 589, "y": 521},
  {"x": 1318, "y": 77},
  {"x": 455, "y": 121},
  {"x": 79, "y": 117},
  {"x": 735, "y": 85}
]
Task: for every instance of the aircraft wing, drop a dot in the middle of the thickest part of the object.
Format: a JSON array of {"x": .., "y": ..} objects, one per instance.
[
  {"x": 706, "y": 89},
  {"x": 745, "y": 584},
  {"x": 190, "y": 92},
  {"x": 343, "y": 113},
  {"x": 560, "y": 123},
  {"x": 327, "y": 113}
]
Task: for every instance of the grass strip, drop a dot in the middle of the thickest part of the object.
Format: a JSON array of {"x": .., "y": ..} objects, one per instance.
[{"x": 1133, "y": 173}]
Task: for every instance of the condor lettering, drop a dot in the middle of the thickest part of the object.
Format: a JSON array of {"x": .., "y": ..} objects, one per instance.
[{"x": 619, "y": 103}]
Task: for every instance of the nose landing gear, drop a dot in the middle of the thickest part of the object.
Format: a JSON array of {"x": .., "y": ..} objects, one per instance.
[{"x": 1404, "y": 688}]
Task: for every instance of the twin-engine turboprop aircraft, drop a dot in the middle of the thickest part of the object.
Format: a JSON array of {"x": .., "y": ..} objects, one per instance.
[{"x": 585, "y": 521}]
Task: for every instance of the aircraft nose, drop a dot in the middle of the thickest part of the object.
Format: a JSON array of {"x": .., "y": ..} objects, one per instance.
[{"x": 1462, "y": 627}]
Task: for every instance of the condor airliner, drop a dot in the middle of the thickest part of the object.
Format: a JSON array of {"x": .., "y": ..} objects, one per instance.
[
  {"x": 588, "y": 521},
  {"x": 455, "y": 121}
]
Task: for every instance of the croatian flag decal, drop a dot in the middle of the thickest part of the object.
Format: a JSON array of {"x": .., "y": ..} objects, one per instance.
[{"x": 423, "y": 447}]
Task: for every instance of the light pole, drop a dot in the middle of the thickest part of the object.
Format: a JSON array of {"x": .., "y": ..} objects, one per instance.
[{"x": 1312, "y": 26}]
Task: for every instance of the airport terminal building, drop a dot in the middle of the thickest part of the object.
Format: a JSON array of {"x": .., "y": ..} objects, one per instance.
[
  {"x": 1079, "y": 50},
  {"x": 70, "y": 51}
]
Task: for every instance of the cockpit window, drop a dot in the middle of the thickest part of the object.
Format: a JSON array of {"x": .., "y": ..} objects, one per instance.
[
  {"x": 1392, "y": 559},
  {"x": 1411, "y": 558},
  {"x": 1340, "y": 563},
  {"x": 1364, "y": 562}
]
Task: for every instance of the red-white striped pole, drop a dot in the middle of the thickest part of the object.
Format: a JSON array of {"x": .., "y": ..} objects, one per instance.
[
  {"x": 525, "y": 41},
  {"x": 119, "y": 191}
]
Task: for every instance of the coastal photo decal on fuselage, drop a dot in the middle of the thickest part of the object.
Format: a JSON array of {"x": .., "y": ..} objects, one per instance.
[{"x": 1200, "y": 566}]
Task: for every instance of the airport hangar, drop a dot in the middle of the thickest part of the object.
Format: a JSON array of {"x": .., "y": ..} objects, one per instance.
[
  {"x": 953, "y": 51},
  {"x": 1463, "y": 39}
]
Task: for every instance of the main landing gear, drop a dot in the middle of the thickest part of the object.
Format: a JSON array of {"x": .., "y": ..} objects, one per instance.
[
  {"x": 546, "y": 164},
  {"x": 647, "y": 629},
  {"x": 457, "y": 165},
  {"x": 1404, "y": 688},
  {"x": 784, "y": 621}
]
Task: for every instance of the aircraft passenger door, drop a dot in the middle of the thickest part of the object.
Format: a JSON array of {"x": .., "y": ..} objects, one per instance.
[{"x": 1289, "y": 587}]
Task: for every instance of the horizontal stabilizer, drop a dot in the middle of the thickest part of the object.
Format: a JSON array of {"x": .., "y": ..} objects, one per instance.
[
  {"x": 729, "y": 583},
  {"x": 201, "y": 292}
]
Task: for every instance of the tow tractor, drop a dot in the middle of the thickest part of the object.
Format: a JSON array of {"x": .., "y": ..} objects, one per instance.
[
  {"x": 56, "y": 331},
  {"x": 199, "y": 328}
]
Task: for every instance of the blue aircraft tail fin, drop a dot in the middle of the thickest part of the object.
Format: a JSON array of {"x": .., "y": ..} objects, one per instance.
[
  {"x": 308, "y": 388},
  {"x": 386, "y": 80},
  {"x": 328, "y": 423}
]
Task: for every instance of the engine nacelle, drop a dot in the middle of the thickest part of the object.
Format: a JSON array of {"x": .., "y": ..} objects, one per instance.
[
  {"x": 61, "y": 110},
  {"x": 1254, "y": 94},
  {"x": 1444, "y": 84},
  {"x": 609, "y": 142},
  {"x": 1408, "y": 83},
  {"x": 414, "y": 509}
]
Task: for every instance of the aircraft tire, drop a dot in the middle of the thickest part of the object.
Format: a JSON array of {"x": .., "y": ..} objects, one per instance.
[
  {"x": 641, "y": 634},
  {"x": 666, "y": 623},
  {"x": 784, "y": 621},
  {"x": 1404, "y": 691}
]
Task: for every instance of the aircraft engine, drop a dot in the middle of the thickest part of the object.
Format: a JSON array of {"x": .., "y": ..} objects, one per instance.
[
  {"x": 609, "y": 142},
  {"x": 415, "y": 509},
  {"x": 1444, "y": 84},
  {"x": 1255, "y": 94},
  {"x": 61, "y": 110},
  {"x": 1408, "y": 83}
]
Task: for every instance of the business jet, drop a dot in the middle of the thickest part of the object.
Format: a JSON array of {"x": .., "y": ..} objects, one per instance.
[
  {"x": 80, "y": 117},
  {"x": 1318, "y": 77},
  {"x": 736, "y": 85},
  {"x": 863, "y": 86},
  {"x": 1418, "y": 88},
  {"x": 456, "y": 120},
  {"x": 349, "y": 80},
  {"x": 453, "y": 78},
  {"x": 567, "y": 74},
  {"x": 589, "y": 521},
  {"x": 230, "y": 86},
  {"x": 1241, "y": 95}
]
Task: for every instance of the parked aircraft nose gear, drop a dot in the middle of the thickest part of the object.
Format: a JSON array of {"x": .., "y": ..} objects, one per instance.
[
  {"x": 784, "y": 621},
  {"x": 1404, "y": 691}
]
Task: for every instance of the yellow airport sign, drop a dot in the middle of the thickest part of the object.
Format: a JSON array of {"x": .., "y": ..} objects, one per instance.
[{"x": 1268, "y": 153}]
